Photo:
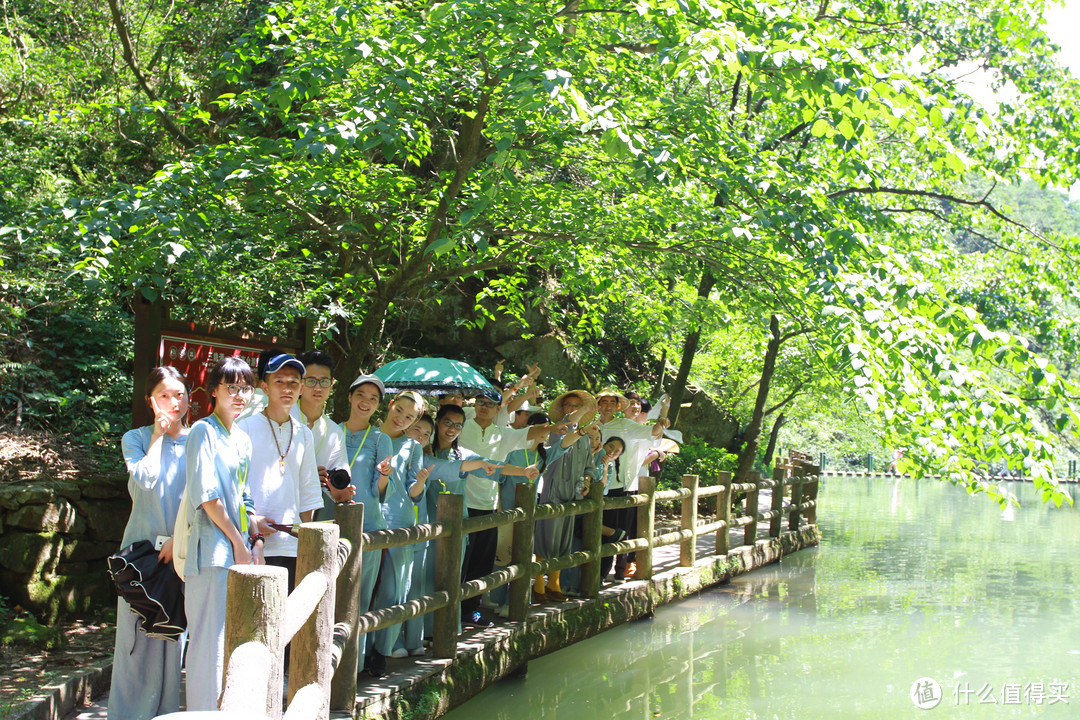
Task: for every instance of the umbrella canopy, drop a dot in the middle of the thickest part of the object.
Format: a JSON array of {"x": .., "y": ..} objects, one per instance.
[
  {"x": 153, "y": 589},
  {"x": 434, "y": 375}
]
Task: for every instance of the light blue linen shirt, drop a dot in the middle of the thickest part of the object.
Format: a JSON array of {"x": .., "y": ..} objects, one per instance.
[
  {"x": 217, "y": 467},
  {"x": 360, "y": 450},
  {"x": 155, "y": 483}
]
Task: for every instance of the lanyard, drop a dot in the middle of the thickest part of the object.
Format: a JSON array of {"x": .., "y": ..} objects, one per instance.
[
  {"x": 241, "y": 475},
  {"x": 357, "y": 453}
]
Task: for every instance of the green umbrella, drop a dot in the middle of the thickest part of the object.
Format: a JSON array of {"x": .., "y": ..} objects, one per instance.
[{"x": 435, "y": 375}]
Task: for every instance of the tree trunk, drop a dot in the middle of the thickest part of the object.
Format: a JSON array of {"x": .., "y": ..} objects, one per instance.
[
  {"x": 690, "y": 346},
  {"x": 752, "y": 436},
  {"x": 781, "y": 420}
]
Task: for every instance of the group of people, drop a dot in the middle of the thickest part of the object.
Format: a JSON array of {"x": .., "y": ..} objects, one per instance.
[{"x": 268, "y": 457}]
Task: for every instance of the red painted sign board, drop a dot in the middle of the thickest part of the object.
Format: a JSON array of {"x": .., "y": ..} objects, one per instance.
[{"x": 196, "y": 357}]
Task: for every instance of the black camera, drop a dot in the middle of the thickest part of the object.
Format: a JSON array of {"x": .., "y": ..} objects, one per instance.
[{"x": 339, "y": 478}]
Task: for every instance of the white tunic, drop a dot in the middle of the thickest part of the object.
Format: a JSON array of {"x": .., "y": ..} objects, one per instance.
[{"x": 282, "y": 491}]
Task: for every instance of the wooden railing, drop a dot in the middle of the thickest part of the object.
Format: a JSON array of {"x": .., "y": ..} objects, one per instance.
[
  {"x": 261, "y": 619},
  {"x": 260, "y": 622}
]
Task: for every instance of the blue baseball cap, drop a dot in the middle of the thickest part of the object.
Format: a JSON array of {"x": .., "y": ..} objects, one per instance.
[{"x": 284, "y": 360}]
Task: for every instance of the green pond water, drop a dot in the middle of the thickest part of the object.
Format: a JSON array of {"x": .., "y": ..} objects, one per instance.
[{"x": 918, "y": 593}]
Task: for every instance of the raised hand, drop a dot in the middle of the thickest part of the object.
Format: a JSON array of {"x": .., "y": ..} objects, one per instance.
[
  {"x": 384, "y": 467},
  {"x": 162, "y": 421}
]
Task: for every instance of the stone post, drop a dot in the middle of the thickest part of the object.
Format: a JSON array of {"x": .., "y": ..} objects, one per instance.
[
  {"x": 592, "y": 527},
  {"x": 688, "y": 548},
  {"x": 723, "y": 512},
  {"x": 521, "y": 551},
  {"x": 811, "y": 514},
  {"x": 312, "y": 648},
  {"x": 448, "y": 574},
  {"x": 752, "y": 510},
  {"x": 777, "y": 506},
  {"x": 255, "y": 611},
  {"x": 646, "y": 523},
  {"x": 796, "y": 497},
  {"x": 350, "y": 520}
]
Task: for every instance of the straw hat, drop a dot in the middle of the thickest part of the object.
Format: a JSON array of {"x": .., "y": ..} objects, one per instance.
[
  {"x": 555, "y": 411},
  {"x": 622, "y": 400}
]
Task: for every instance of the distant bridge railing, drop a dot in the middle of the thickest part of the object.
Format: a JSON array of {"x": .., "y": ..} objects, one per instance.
[{"x": 260, "y": 623}]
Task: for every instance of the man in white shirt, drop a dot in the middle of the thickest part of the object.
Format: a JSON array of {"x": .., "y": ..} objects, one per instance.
[
  {"x": 328, "y": 436},
  {"x": 635, "y": 438},
  {"x": 493, "y": 441},
  {"x": 283, "y": 476}
]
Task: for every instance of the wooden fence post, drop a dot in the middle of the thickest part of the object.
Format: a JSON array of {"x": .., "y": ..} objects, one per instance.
[
  {"x": 646, "y": 523},
  {"x": 312, "y": 648},
  {"x": 795, "y": 515},
  {"x": 811, "y": 513},
  {"x": 752, "y": 510},
  {"x": 777, "y": 505},
  {"x": 688, "y": 548},
  {"x": 255, "y": 612},
  {"x": 521, "y": 551},
  {"x": 448, "y": 574},
  {"x": 350, "y": 519},
  {"x": 592, "y": 529},
  {"x": 723, "y": 512}
]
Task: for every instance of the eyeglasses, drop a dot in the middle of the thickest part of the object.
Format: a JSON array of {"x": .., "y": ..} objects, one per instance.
[
  {"x": 318, "y": 382},
  {"x": 235, "y": 390},
  {"x": 450, "y": 425},
  {"x": 486, "y": 403}
]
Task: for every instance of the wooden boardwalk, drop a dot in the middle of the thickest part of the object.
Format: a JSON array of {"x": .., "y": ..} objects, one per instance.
[{"x": 425, "y": 687}]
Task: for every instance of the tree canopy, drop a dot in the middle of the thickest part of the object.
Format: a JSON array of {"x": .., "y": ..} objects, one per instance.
[{"x": 808, "y": 165}]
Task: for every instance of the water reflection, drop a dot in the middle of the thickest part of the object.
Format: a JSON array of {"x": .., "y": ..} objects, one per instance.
[{"x": 913, "y": 579}]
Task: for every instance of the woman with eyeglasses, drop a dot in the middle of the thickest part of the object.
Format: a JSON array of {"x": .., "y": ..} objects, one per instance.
[
  {"x": 224, "y": 528},
  {"x": 446, "y": 475},
  {"x": 146, "y": 671}
]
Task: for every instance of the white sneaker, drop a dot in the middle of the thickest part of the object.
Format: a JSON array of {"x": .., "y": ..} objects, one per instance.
[
  {"x": 418, "y": 652},
  {"x": 399, "y": 653}
]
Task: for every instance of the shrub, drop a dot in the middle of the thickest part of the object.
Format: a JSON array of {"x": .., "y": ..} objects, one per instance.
[{"x": 695, "y": 457}]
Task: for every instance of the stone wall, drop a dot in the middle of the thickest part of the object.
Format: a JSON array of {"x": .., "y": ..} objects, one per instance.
[{"x": 54, "y": 538}]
